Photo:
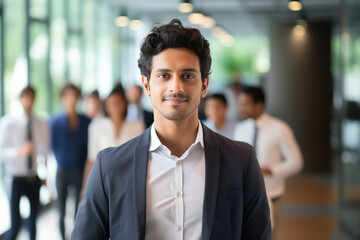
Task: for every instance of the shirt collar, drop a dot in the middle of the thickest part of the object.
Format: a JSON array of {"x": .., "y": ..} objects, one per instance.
[
  {"x": 156, "y": 143},
  {"x": 22, "y": 115}
]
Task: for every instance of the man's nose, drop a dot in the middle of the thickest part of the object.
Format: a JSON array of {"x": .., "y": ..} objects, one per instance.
[{"x": 176, "y": 85}]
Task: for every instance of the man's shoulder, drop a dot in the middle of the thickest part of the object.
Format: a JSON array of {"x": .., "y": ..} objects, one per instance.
[
  {"x": 56, "y": 119},
  {"x": 276, "y": 123},
  {"x": 7, "y": 119},
  {"x": 84, "y": 118}
]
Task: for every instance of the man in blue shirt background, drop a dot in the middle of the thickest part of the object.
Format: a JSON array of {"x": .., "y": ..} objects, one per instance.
[{"x": 69, "y": 136}]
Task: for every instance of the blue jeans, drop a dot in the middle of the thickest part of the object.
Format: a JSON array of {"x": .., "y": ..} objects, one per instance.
[
  {"x": 64, "y": 179},
  {"x": 29, "y": 187}
]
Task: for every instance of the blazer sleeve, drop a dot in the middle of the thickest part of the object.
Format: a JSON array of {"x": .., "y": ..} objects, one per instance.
[
  {"x": 256, "y": 219},
  {"x": 92, "y": 220}
]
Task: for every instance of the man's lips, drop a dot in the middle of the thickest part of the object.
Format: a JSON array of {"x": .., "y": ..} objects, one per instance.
[{"x": 175, "y": 100}]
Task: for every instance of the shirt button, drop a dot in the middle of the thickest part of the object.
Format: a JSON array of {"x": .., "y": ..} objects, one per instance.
[
  {"x": 179, "y": 194},
  {"x": 178, "y": 163},
  {"x": 179, "y": 228}
]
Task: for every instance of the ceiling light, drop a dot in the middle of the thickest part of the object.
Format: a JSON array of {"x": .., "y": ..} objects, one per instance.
[
  {"x": 295, "y": 5},
  {"x": 227, "y": 40},
  {"x": 218, "y": 32},
  {"x": 208, "y": 22},
  {"x": 196, "y": 18},
  {"x": 122, "y": 21},
  {"x": 136, "y": 25},
  {"x": 185, "y": 6}
]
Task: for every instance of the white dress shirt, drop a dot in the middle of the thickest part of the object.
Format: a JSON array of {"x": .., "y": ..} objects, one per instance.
[
  {"x": 175, "y": 190},
  {"x": 102, "y": 134},
  {"x": 276, "y": 148},
  {"x": 13, "y": 136}
]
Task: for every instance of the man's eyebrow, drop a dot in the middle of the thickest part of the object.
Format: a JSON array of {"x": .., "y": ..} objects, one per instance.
[
  {"x": 163, "y": 70},
  {"x": 189, "y": 70},
  {"x": 182, "y": 70}
]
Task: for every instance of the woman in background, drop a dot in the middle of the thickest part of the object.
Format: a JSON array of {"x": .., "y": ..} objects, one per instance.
[{"x": 111, "y": 130}]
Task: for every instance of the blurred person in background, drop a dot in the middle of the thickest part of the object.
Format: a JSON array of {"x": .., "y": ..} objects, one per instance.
[
  {"x": 113, "y": 129},
  {"x": 135, "y": 112},
  {"x": 275, "y": 144},
  {"x": 215, "y": 110},
  {"x": 232, "y": 94},
  {"x": 93, "y": 105},
  {"x": 22, "y": 139},
  {"x": 69, "y": 139}
]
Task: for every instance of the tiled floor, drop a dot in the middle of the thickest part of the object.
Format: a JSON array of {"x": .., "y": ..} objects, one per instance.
[
  {"x": 310, "y": 212},
  {"x": 309, "y": 209}
]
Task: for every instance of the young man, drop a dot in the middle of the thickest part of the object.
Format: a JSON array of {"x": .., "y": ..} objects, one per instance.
[
  {"x": 178, "y": 180},
  {"x": 22, "y": 139},
  {"x": 69, "y": 139},
  {"x": 277, "y": 150},
  {"x": 215, "y": 111}
]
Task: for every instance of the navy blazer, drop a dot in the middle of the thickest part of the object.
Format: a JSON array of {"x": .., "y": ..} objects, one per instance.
[{"x": 235, "y": 203}]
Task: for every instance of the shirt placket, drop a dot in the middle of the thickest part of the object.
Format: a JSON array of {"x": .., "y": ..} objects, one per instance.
[{"x": 179, "y": 200}]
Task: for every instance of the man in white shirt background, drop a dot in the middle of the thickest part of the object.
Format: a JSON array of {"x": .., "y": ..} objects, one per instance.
[
  {"x": 277, "y": 150},
  {"x": 22, "y": 139}
]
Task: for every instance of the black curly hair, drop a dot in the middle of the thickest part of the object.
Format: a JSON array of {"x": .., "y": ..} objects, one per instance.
[{"x": 174, "y": 35}]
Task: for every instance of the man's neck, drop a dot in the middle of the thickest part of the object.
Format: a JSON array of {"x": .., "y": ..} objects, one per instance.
[
  {"x": 27, "y": 112},
  {"x": 258, "y": 115},
  {"x": 220, "y": 124},
  {"x": 72, "y": 119},
  {"x": 179, "y": 135}
]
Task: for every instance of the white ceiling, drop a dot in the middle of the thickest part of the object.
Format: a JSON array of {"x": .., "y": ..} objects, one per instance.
[{"x": 240, "y": 16}]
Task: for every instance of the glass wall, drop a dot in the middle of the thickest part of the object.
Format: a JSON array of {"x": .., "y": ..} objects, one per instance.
[
  {"x": 47, "y": 43},
  {"x": 347, "y": 103}
]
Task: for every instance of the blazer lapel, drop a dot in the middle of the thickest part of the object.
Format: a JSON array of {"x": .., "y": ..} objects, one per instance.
[
  {"x": 140, "y": 162},
  {"x": 212, "y": 163}
]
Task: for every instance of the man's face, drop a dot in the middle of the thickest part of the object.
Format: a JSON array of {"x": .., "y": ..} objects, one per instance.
[
  {"x": 247, "y": 106},
  {"x": 69, "y": 99},
  {"x": 175, "y": 85},
  {"x": 215, "y": 110},
  {"x": 133, "y": 94},
  {"x": 27, "y": 101},
  {"x": 115, "y": 106}
]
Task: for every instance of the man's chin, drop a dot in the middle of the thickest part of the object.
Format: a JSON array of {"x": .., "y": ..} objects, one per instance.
[{"x": 175, "y": 117}]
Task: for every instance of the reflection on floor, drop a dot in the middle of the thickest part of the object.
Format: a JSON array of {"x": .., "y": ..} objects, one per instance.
[
  {"x": 47, "y": 224},
  {"x": 310, "y": 211}
]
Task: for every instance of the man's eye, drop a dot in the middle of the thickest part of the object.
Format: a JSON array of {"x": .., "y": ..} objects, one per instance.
[
  {"x": 188, "y": 76},
  {"x": 163, "y": 75}
]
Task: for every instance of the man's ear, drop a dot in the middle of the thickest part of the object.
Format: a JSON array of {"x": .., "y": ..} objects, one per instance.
[
  {"x": 204, "y": 87},
  {"x": 146, "y": 85}
]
